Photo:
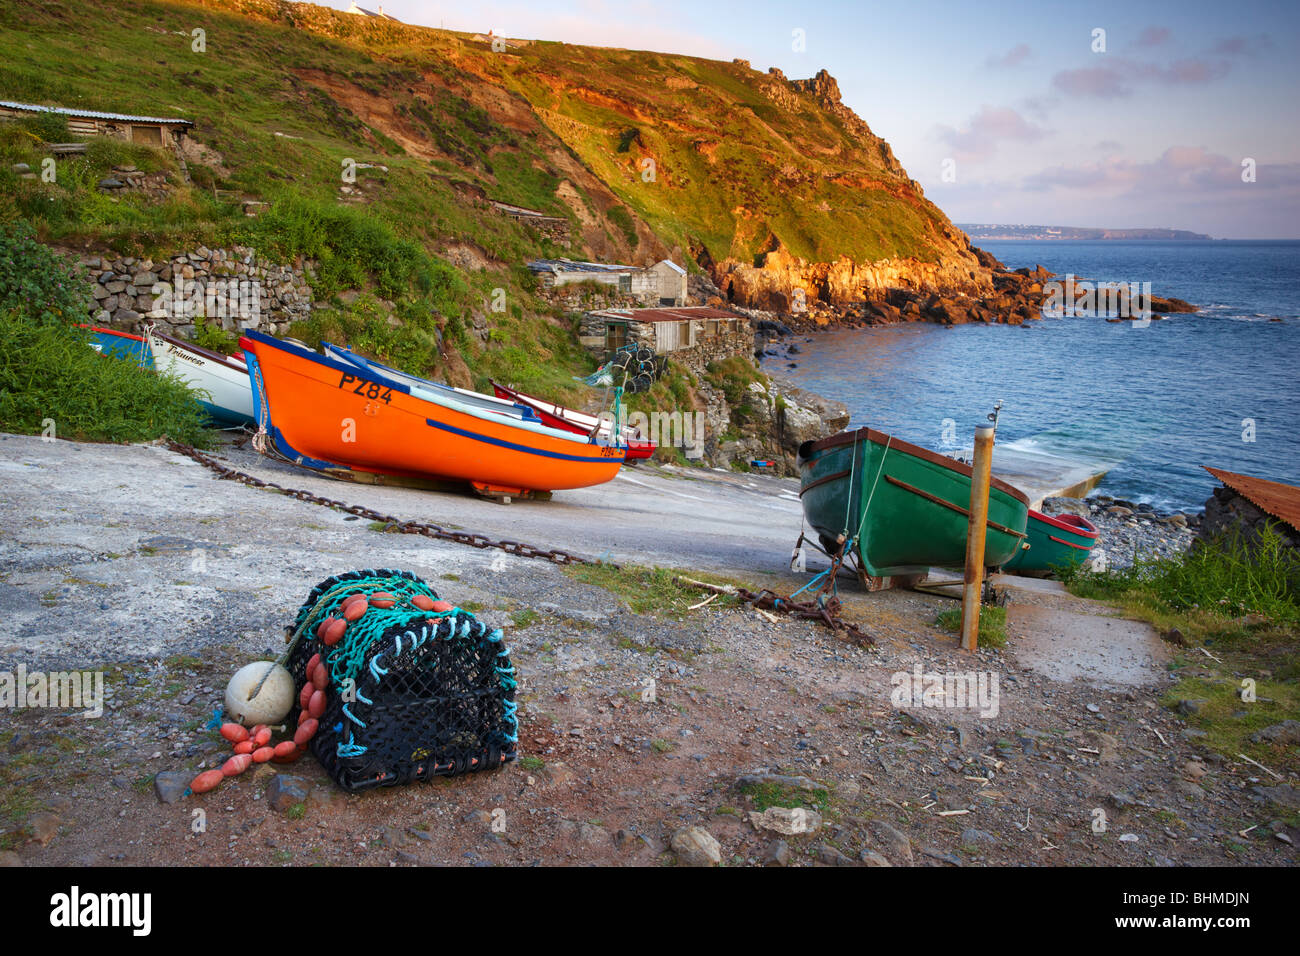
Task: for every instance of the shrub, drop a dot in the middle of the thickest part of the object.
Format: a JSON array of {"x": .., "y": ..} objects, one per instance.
[
  {"x": 50, "y": 374},
  {"x": 1228, "y": 576},
  {"x": 36, "y": 280}
]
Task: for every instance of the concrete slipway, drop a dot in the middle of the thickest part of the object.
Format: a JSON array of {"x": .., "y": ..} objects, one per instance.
[{"x": 125, "y": 552}]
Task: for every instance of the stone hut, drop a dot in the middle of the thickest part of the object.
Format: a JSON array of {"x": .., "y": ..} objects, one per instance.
[
  {"x": 661, "y": 284},
  {"x": 156, "y": 131},
  {"x": 693, "y": 335}
]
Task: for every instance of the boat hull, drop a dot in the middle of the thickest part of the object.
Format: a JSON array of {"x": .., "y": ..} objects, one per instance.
[
  {"x": 327, "y": 414},
  {"x": 906, "y": 507},
  {"x": 224, "y": 381},
  {"x": 1055, "y": 541},
  {"x": 123, "y": 345},
  {"x": 557, "y": 416}
]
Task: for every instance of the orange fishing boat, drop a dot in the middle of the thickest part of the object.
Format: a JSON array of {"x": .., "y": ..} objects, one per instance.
[{"x": 336, "y": 417}]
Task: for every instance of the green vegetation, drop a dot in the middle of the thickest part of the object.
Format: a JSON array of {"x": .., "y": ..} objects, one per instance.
[
  {"x": 1234, "y": 608},
  {"x": 649, "y": 590},
  {"x": 532, "y": 764},
  {"x": 214, "y": 337},
  {"x": 764, "y": 795},
  {"x": 733, "y": 377},
  {"x": 53, "y": 383},
  {"x": 35, "y": 280},
  {"x": 1225, "y": 579},
  {"x": 374, "y": 145},
  {"x": 993, "y": 624}
]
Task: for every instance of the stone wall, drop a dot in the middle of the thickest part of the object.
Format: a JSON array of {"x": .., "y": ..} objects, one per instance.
[
  {"x": 231, "y": 287},
  {"x": 1228, "y": 513},
  {"x": 712, "y": 348}
]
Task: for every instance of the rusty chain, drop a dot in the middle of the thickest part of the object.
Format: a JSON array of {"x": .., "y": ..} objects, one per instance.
[
  {"x": 824, "y": 612},
  {"x": 429, "y": 530}
]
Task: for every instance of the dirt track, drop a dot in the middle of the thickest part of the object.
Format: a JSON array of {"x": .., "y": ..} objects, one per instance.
[{"x": 140, "y": 562}]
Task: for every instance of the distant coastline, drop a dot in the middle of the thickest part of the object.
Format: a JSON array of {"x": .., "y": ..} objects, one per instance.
[{"x": 1021, "y": 231}]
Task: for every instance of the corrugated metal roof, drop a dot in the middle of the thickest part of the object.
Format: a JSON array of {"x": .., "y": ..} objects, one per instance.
[
  {"x": 569, "y": 265},
  {"x": 1272, "y": 497},
  {"x": 683, "y": 314},
  {"x": 93, "y": 114}
]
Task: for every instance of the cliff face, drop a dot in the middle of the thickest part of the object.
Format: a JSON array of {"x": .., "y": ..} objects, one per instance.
[
  {"x": 770, "y": 185},
  {"x": 775, "y": 281}
]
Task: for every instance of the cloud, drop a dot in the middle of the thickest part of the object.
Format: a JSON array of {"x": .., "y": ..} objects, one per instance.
[
  {"x": 987, "y": 128},
  {"x": 1193, "y": 71},
  {"x": 1118, "y": 77},
  {"x": 1102, "y": 82},
  {"x": 1242, "y": 46},
  {"x": 1186, "y": 187},
  {"x": 1180, "y": 170},
  {"x": 1014, "y": 57},
  {"x": 1152, "y": 37}
]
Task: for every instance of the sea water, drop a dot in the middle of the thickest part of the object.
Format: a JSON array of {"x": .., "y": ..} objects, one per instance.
[{"x": 1160, "y": 399}]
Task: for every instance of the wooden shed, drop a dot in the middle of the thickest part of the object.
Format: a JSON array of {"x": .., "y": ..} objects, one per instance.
[{"x": 156, "y": 131}]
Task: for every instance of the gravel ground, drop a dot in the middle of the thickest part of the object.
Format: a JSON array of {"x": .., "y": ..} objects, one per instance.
[{"x": 99, "y": 568}]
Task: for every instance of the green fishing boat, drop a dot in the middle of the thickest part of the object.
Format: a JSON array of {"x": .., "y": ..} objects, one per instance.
[
  {"x": 1055, "y": 541},
  {"x": 904, "y": 507}
]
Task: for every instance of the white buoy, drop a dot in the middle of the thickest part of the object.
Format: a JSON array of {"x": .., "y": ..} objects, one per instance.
[{"x": 272, "y": 703}]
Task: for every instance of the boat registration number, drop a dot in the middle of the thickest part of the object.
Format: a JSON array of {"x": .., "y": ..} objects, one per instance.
[{"x": 366, "y": 389}]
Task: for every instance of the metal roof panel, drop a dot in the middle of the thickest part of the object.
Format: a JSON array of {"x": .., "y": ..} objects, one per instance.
[{"x": 1272, "y": 497}]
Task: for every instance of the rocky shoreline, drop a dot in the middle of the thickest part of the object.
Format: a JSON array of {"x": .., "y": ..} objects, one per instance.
[
  {"x": 1126, "y": 529},
  {"x": 1018, "y": 296}
]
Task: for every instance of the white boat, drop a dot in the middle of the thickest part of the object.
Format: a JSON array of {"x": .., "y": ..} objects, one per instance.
[
  {"x": 432, "y": 391},
  {"x": 222, "y": 382}
]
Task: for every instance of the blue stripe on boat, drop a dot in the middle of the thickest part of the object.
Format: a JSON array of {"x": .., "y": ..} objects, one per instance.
[{"x": 502, "y": 443}]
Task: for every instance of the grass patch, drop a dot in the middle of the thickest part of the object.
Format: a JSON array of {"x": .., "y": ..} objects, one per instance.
[
  {"x": 524, "y": 618},
  {"x": 650, "y": 591},
  {"x": 532, "y": 764},
  {"x": 993, "y": 624},
  {"x": 764, "y": 795},
  {"x": 1237, "y": 600},
  {"x": 52, "y": 383}
]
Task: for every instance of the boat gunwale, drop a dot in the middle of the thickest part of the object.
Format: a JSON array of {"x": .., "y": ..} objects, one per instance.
[
  {"x": 233, "y": 364},
  {"x": 1089, "y": 531},
  {"x": 573, "y": 417},
  {"x": 124, "y": 335},
  {"x": 343, "y": 354},
  {"x": 579, "y": 427},
  {"x": 925, "y": 454}
]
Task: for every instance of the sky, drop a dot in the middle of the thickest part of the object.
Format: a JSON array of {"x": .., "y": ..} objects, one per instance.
[{"x": 1131, "y": 114}]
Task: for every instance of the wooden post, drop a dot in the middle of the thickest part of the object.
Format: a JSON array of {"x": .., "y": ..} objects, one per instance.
[{"x": 976, "y": 527}]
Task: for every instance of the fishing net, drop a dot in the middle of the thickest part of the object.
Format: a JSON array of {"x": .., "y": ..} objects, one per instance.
[
  {"x": 414, "y": 688},
  {"x": 634, "y": 368}
]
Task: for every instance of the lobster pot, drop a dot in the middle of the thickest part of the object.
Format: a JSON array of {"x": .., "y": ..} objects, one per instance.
[{"x": 411, "y": 694}]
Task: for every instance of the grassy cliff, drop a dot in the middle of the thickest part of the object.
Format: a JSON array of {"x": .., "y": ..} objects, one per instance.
[{"x": 645, "y": 154}]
